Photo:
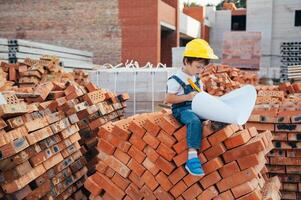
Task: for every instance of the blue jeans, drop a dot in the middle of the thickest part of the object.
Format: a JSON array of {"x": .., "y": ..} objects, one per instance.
[{"x": 194, "y": 125}]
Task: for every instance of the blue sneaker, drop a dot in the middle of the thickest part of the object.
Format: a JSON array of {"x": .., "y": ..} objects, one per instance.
[{"x": 194, "y": 167}]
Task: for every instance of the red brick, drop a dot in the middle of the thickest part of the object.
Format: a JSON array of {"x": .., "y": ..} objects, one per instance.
[
  {"x": 105, "y": 146},
  {"x": 135, "y": 153},
  {"x": 212, "y": 165},
  {"x": 189, "y": 180},
  {"x": 236, "y": 179},
  {"x": 255, "y": 145},
  {"x": 169, "y": 124},
  {"x": 124, "y": 146},
  {"x": 133, "y": 192},
  {"x": 149, "y": 180},
  {"x": 260, "y": 126},
  {"x": 164, "y": 181},
  {"x": 178, "y": 189},
  {"x": 205, "y": 144},
  {"x": 147, "y": 193},
  {"x": 109, "y": 172},
  {"x": 151, "y": 140},
  {"x": 166, "y": 152},
  {"x": 91, "y": 87},
  {"x": 116, "y": 165},
  {"x": 123, "y": 157},
  {"x": 220, "y": 135},
  {"x": 181, "y": 133},
  {"x": 210, "y": 179},
  {"x": 121, "y": 182},
  {"x": 162, "y": 195},
  {"x": 192, "y": 192},
  {"x": 180, "y": 146},
  {"x": 166, "y": 139},
  {"x": 137, "y": 142},
  {"x": 108, "y": 185},
  {"x": 136, "y": 179},
  {"x": 229, "y": 169},
  {"x": 150, "y": 166},
  {"x": 93, "y": 187},
  {"x": 225, "y": 196},
  {"x": 177, "y": 175},
  {"x": 208, "y": 194},
  {"x": 137, "y": 129},
  {"x": 255, "y": 195},
  {"x": 101, "y": 166},
  {"x": 285, "y": 161},
  {"x": 237, "y": 139},
  {"x": 202, "y": 158},
  {"x": 251, "y": 160},
  {"x": 122, "y": 133},
  {"x": 165, "y": 166},
  {"x": 136, "y": 167},
  {"x": 151, "y": 127},
  {"x": 214, "y": 151},
  {"x": 181, "y": 158},
  {"x": 245, "y": 188},
  {"x": 151, "y": 153}
]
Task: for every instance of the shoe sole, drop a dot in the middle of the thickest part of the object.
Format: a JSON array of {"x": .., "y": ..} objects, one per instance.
[{"x": 193, "y": 173}]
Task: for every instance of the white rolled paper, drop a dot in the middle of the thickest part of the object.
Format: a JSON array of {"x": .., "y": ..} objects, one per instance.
[{"x": 234, "y": 107}]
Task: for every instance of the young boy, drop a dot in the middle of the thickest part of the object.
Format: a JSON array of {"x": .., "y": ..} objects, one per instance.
[{"x": 197, "y": 54}]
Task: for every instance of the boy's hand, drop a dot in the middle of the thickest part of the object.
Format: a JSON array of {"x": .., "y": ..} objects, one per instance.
[{"x": 191, "y": 95}]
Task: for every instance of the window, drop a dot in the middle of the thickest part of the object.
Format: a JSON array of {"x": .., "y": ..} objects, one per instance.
[
  {"x": 238, "y": 23},
  {"x": 298, "y": 18}
]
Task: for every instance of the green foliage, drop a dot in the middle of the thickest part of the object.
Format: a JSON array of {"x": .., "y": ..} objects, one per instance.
[{"x": 192, "y": 4}]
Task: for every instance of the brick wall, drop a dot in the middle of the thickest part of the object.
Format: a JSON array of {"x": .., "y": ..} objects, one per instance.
[{"x": 83, "y": 24}]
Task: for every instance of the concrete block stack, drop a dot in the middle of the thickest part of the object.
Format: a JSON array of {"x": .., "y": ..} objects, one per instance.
[
  {"x": 48, "y": 130},
  {"x": 278, "y": 110},
  {"x": 144, "y": 156},
  {"x": 221, "y": 79},
  {"x": 291, "y": 61}
]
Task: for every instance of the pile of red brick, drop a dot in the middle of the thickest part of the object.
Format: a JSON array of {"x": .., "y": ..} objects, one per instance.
[
  {"x": 221, "y": 79},
  {"x": 144, "y": 156},
  {"x": 48, "y": 133},
  {"x": 281, "y": 114},
  {"x": 31, "y": 72}
]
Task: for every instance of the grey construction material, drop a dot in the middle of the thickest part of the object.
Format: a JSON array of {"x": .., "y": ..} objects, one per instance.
[
  {"x": 17, "y": 50},
  {"x": 3, "y": 41},
  {"x": 26, "y": 43},
  {"x": 23, "y": 49}
]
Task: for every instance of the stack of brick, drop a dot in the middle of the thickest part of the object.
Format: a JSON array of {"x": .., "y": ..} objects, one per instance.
[
  {"x": 281, "y": 114},
  {"x": 80, "y": 76},
  {"x": 40, "y": 153},
  {"x": 31, "y": 72},
  {"x": 48, "y": 136},
  {"x": 144, "y": 157},
  {"x": 221, "y": 79}
]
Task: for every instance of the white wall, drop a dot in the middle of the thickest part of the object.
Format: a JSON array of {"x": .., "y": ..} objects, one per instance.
[
  {"x": 220, "y": 23},
  {"x": 275, "y": 19},
  {"x": 189, "y": 26}
]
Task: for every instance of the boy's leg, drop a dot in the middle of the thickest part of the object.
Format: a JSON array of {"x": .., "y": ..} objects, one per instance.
[
  {"x": 194, "y": 128},
  {"x": 194, "y": 136}
]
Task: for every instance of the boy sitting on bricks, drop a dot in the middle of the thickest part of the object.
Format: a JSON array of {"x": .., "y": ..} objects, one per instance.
[{"x": 197, "y": 55}]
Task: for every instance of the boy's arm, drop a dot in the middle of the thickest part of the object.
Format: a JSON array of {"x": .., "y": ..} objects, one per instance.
[{"x": 173, "y": 98}]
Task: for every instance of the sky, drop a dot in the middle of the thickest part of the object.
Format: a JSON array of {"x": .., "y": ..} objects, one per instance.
[{"x": 202, "y": 2}]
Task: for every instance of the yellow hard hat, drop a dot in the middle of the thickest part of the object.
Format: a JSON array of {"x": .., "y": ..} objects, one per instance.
[{"x": 198, "y": 48}]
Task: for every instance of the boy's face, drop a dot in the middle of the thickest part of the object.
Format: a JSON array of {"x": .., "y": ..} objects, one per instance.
[{"x": 195, "y": 67}]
